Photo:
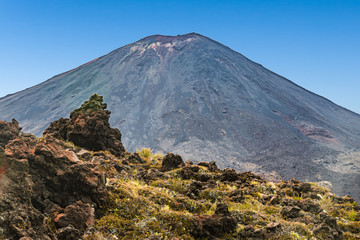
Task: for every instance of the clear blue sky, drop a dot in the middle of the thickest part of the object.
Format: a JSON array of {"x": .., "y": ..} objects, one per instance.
[{"x": 314, "y": 43}]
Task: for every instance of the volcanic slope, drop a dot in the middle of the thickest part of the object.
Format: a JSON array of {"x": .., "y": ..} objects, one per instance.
[{"x": 194, "y": 96}]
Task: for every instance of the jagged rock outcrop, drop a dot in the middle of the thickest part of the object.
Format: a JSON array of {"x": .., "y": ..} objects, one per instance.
[
  {"x": 89, "y": 127},
  {"x": 44, "y": 178},
  {"x": 8, "y": 131},
  {"x": 48, "y": 190}
]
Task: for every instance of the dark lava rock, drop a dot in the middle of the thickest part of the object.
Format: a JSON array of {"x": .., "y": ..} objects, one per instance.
[
  {"x": 229, "y": 175},
  {"x": 8, "y": 131},
  {"x": 308, "y": 205},
  {"x": 68, "y": 233},
  {"x": 288, "y": 202},
  {"x": 78, "y": 215},
  {"x": 189, "y": 172},
  {"x": 222, "y": 209},
  {"x": 300, "y": 187},
  {"x": 290, "y": 212},
  {"x": 214, "y": 225},
  {"x": 327, "y": 227},
  {"x": 237, "y": 196},
  {"x": 89, "y": 127},
  {"x": 171, "y": 161},
  {"x": 203, "y": 177},
  {"x": 149, "y": 175},
  {"x": 135, "y": 158},
  {"x": 194, "y": 189},
  {"x": 249, "y": 232},
  {"x": 211, "y": 165},
  {"x": 344, "y": 199}
]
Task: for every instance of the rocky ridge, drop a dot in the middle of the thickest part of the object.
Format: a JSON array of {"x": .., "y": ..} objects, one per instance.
[{"x": 78, "y": 182}]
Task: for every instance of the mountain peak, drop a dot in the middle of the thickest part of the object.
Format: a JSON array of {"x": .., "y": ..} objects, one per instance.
[{"x": 167, "y": 38}]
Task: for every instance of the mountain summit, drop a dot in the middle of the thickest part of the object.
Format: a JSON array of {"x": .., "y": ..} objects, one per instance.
[{"x": 194, "y": 96}]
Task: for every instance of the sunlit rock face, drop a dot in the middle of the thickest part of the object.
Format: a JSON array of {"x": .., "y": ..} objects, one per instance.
[{"x": 196, "y": 97}]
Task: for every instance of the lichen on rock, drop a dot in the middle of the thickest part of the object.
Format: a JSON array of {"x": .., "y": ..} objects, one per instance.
[{"x": 94, "y": 103}]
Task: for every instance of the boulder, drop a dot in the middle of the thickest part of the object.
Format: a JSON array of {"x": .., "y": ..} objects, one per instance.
[
  {"x": 229, "y": 175},
  {"x": 171, "y": 161}
]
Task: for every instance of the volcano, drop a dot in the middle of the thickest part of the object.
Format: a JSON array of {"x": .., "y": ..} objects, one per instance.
[{"x": 191, "y": 95}]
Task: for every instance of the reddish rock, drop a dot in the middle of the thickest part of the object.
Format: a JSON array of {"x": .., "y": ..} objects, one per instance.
[
  {"x": 79, "y": 215},
  {"x": 21, "y": 148},
  {"x": 43, "y": 176}
]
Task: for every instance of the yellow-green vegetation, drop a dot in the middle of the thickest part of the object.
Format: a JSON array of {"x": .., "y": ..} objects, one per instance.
[
  {"x": 149, "y": 157},
  {"x": 145, "y": 202},
  {"x": 326, "y": 202}
]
